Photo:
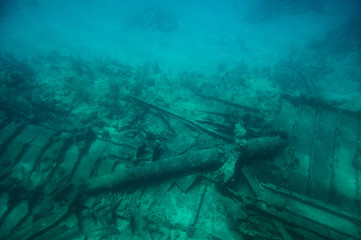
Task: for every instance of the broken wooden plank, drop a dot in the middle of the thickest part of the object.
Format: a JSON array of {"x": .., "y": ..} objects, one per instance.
[
  {"x": 13, "y": 218},
  {"x": 42, "y": 226},
  {"x": 36, "y": 148},
  {"x": 312, "y": 202},
  {"x": 7, "y": 135},
  {"x": 199, "y": 206},
  {"x": 315, "y": 217},
  {"x": 82, "y": 169}
]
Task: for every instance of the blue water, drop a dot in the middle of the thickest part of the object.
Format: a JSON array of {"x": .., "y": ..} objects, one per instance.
[
  {"x": 113, "y": 115},
  {"x": 200, "y": 36}
]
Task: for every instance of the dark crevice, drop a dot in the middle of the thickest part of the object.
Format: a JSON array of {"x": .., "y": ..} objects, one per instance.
[{"x": 7, "y": 142}]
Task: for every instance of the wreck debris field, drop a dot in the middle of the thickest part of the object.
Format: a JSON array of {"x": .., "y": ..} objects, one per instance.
[{"x": 167, "y": 120}]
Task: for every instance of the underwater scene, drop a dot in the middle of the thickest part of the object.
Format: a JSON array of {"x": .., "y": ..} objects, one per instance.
[{"x": 192, "y": 119}]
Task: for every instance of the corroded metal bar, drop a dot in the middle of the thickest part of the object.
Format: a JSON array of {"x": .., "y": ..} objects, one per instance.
[
  {"x": 264, "y": 145},
  {"x": 202, "y": 159},
  {"x": 243, "y": 107},
  {"x": 317, "y": 102},
  {"x": 186, "y": 121}
]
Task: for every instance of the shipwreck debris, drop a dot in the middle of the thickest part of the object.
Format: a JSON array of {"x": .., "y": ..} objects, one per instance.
[{"x": 175, "y": 165}]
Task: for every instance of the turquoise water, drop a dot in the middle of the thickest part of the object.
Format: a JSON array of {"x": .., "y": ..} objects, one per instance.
[
  {"x": 233, "y": 119},
  {"x": 203, "y": 34}
]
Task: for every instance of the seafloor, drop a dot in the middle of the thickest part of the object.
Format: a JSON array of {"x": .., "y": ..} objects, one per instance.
[{"x": 101, "y": 149}]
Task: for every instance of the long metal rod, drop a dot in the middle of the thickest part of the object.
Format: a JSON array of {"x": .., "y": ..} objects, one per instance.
[{"x": 186, "y": 121}]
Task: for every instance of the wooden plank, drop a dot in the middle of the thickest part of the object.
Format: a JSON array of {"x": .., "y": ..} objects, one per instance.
[
  {"x": 296, "y": 209},
  {"x": 42, "y": 226},
  {"x": 13, "y": 218},
  {"x": 7, "y": 135},
  {"x": 86, "y": 165},
  {"x": 310, "y": 181},
  {"x": 4, "y": 198},
  {"x": 322, "y": 155},
  {"x": 344, "y": 171},
  {"x": 3, "y": 119},
  {"x": 28, "y": 160},
  {"x": 302, "y": 151},
  {"x": 20, "y": 144},
  {"x": 47, "y": 161}
]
